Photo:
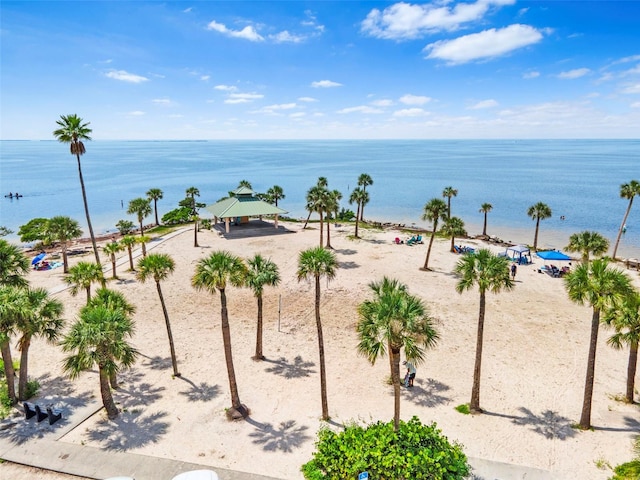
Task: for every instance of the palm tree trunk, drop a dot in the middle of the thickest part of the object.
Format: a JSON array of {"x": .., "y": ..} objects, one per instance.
[
  {"x": 174, "y": 362},
  {"x": 259, "y": 355},
  {"x": 9, "y": 372},
  {"x": 323, "y": 373},
  {"x": 86, "y": 211},
  {"x": 88, "y": 294},
  {"x": 195, "y": 233},
  {"x": 535, "y": 238},
  {"x": 155, "y": 210},
  {"x": 357, "y": 219},
  {"x": 130, "y": 257},
  {"x": 426, "y": 261},
  {"x": 113, "y": 380},
  {"x": 624, "y": 221},
  {"x": 144, "y": 247},
  {"x": 631, "y": 371},
  {"x": 452, "y": 242},
  {"x": 585, "y": 417},
  {"x": 448, "y": 207},
  {"x": 307, "y": 221},
  {"x": 65, "y": 260},
  {"x": 395, "y": 378},
  {"x": 321, "y": 226},
  {"x": 328, "y": 235},
  {"x": 237, "y": 410},
  {"x": 474, "y": 406},
  {"x": 24, "y": 365},
  {"x": 364, "y": 191},
  {"x": 484, "y": 227},
  {"x": 105, "y": 393},
  {"x": 113, "y": 265}
]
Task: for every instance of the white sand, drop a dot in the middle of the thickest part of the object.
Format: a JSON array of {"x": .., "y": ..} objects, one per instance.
[{"x": 535, "y": 353}]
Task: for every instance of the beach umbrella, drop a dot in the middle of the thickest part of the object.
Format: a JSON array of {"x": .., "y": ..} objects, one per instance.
[
  {"x": 38, "y": 258},
  {"x": 554, "y": 255}
]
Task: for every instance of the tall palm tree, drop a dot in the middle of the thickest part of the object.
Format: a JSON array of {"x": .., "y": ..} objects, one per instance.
[
  {"x": 261, "y": 273},
  {"x": 485, "y": 208},
  {"x": 155, "y": 194},
  {"x": 332, "y": 203},
  {"x": 73, "y": 131},
  {"x": 14, "y": 266},
  {"x": 625, "y": 318},
  {"x": 129, "y": 241},
  {"x": 276, "y": 193},
  {"x": 447, "y": 193},
  {"x": 141, "y": 208},
  {"x": 13, "y": 305},
  {"x": 628, "y": 191},
  {"x": 245, "y": 184},
  {"x": 159, "y": 266},
  {"x": 82, "y": 275},
  {"x": 42, "y": 318},
  {"x": 312, "y": 197},
  {"x": 364, "y": 180},
  {"x": 537, "y": 212},
  {"x": 213, "y": 274},
  {"x": 99, "y": 338},
  {"x": 598, "y": 285},
  {"x": 192, "y": 193},
  {"x": 358, "y": 197},
  {"x": 394, "y": 320},
  {"x": 111, "y": 249},
  {"x": 587, "y": 243},
  {"x": 434, "y": 211},
  {"x": 453, "y": 227},
  {"x": 316, "y": 263},
  {"x": 490, "y": 273},
  {"x": 62, "y": 229}
]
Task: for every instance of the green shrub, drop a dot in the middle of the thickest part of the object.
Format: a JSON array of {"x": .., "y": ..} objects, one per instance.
[
  {"x": 464, "y": 409},
  {"x": 178, "y": 215},
  {"x": 415, "y": 451},
  {"x": 627, "y": 471}
]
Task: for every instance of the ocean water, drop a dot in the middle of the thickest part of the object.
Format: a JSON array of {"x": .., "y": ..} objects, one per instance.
[{"x": 578, "y": 179}]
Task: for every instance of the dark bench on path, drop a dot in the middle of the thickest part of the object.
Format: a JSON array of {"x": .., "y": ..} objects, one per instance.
[
  {"x": 31, "y": 410},
  {"x": 54, "y": 415}
]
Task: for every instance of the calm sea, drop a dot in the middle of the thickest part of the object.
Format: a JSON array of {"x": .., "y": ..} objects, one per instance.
[{"x": 578, "y": 179}]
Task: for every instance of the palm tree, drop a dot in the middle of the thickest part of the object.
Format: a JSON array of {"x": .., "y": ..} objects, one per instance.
[
  {"x": 364, "y": 180},
  {"x": 312, "y": 196},
  {"x": 537, "y": 212},
  {"x": 99, "y": 337},
  {"x": 129, "y": 241},
  {"x": 82, "y": 275},
  {"x": 111, "y": 249},
  {"x": 586, "y": 243},
  {"x": 394, "y": 320},
  {"x": 192, "y": 193},
  {"x": 143, "y": 240},
  {"x": 245, "y": 184},
  {"x": 453, "y": 227},
  {"x": 490, "y": 273},
  {"x": 125, "y": 227},
  {"x": 261, "y": 272},
  {"x": 332, "y": 203},
  {"x": 434, "y": 211},
  {"x": 599, "y": 286},
  {"x": 213, "y": 274},
  {"x": 625, "y": 318},
  {"x": 358, "y": 196},
  {"x": 628, "y": 191},
  {"x": 447, "y": 193},
  {"x": 62, "y": 229},
  {"x": 316, "y": 263},
  {"x": 276, "y": 193},
  {"x": 155, "y": 194},
  {"x": 141, "y": 207},
  {"x": 12, "y": 305},
  {"x": 14, "y": 266},
  {"x": 159, "y": 266},
  {"x": 73, "y": 131},
  {"x": 42, "y": 318},
  {"x": 485, "y": 208}
]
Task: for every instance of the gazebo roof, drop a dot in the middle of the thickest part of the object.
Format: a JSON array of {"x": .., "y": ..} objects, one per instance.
[{"x": 243, "y": 204}]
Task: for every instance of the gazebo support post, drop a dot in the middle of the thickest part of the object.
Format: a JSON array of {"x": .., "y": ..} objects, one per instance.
[
  {"x": 226, "y": 224},
  {"x": 276, "y": 221}
]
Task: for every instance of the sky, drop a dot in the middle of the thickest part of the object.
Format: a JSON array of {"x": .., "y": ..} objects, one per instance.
[{"x": 206, "y": 70}]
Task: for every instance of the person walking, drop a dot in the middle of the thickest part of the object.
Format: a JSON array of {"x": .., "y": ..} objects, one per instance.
[
  {"x": 411, "y": 373},
  {"x": 514, "y": 270}
]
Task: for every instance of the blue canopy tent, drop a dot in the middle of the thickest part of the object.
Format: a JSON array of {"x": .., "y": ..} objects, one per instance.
[
  {"x": 554, "y": 255},
  {"x": 519, "y": 253}
]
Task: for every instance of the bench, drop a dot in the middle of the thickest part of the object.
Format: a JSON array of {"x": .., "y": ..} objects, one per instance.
[
  {"x": 41, "y": 414},
  {"x": 29, "y": 410},
  {"x": 54, "y": 415}
]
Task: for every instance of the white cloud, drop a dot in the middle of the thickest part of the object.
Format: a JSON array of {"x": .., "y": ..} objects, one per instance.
[
  {"x": 161, "y": 101},
  {"x": 631, "y": 88},
  {"x": 126, "y": 76},
  {"x": 243, "y": 97},
  {"x": 187, "y": 10},
  {"x": 205, "y": 78},
  {"x": 530, "y": 75},
  {"x": 286, "y": 37},
  {"x": 276, "y": 108},
  {"x": 248, "y": 32},
  {"x": 136, "y": 113},
  {"x": 572, "y": 74},
  {"x": 635, "y": 105},
  {"x": 484, "y": 104},
  {"x": 382, "y": 103},
  {"x": 486, "y": 44},
  {"x": 405, "y": 21},
  {"x": 325, "y": 84},
  {"x": 410, "y": 112},
  {"x": 414, "y": 99},
  {"x": 297, "y": 115},
  {"x": 307, "y": 99},
  {"x": 360, "y": 109},
  {"x": 232, "y": 101},
  {"x": 226, "y": 88}
]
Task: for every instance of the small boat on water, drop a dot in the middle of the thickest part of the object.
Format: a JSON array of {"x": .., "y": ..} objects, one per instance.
[{"x": 13, "y": 195}]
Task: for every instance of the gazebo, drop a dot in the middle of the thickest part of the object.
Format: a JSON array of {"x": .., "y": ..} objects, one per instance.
[{"x": 241, "y": 206}]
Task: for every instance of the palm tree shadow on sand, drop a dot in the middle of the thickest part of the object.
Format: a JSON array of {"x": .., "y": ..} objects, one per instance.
[
  {"x": 284, "y": 438},
  {"x": 129, "y": 430},
  {"x": 200, "y": 393},
  {"x": 298, "y": 369},
  {"x": 548, "y": 423},
  {"x": 157, "y": 362},
  {"x": 427, "y": 393}
]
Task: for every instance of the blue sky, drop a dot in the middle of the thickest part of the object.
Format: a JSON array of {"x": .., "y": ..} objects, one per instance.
[{"x": 322, "y": 70}]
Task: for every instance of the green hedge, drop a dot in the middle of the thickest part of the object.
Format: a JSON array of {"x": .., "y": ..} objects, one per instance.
[{"x": 415, "y": 451}]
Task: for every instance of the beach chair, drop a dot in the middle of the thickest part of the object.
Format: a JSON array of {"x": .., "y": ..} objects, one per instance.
[
  {"x": 411, "y": 241},
  {"x": 457, "y": 249},
  {"x": 419, "y": 239},
  {"x": 397, "y": 241}
]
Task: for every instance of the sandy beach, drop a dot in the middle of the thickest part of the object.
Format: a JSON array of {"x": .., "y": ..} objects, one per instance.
[{"x": 534, "y": 362}]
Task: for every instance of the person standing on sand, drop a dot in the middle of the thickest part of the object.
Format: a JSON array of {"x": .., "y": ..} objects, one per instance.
[
  {"x": 514, "y": 270},
  {"x": 411, "y": 372}
]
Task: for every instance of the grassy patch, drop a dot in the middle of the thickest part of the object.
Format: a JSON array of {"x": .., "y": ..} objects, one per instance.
[
  {"x": 164, "y": 229},
  {"x": 464, "y": 409}
]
